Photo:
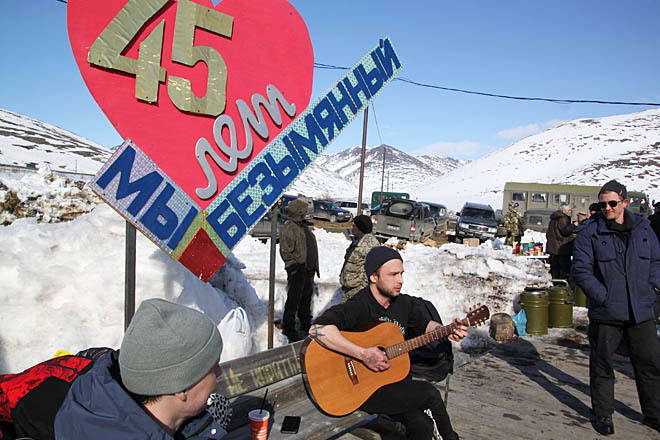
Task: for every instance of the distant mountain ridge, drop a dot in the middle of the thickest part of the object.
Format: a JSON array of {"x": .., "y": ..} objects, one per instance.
[
  {"x": 402, "y": 171},
  {"x": 580, "y": 152},
  {"x": 584, "y": 151},
  {"x": 25, "y": 141}
]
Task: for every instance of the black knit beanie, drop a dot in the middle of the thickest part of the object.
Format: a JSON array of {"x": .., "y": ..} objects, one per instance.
[
  {"x": 378, "y": 256},
  {"x": 616, "y": 187},
  {"x": 363, "y": 223}
]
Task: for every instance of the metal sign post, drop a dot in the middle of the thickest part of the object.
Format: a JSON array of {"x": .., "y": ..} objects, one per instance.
[
  {"x": 364, "y": 147},
  {"x": 129, "y": 276},
  {"x": 271, "y": 277}
]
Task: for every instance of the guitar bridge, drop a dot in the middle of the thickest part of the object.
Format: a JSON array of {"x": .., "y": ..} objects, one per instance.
[{"x": 350, "y": 369}]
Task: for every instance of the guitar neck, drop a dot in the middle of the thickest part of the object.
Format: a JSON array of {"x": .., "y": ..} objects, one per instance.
[{"x": 411, "y": 344}]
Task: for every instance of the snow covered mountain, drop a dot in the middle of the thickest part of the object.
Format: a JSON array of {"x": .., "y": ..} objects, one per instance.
[
  {"x": 28, "y": 142},
  {"x": 403, "y": 172},
  {"x": 584, "y": 151},
  {"x": 580, "y": 152}
]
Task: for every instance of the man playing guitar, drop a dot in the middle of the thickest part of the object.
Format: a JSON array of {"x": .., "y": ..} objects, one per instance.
[{"x": 382, "y": 301}]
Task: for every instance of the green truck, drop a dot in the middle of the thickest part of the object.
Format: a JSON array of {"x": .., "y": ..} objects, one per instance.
[
  {"x": 380, "y": 196},
  {"x": 539, "y": 196}
]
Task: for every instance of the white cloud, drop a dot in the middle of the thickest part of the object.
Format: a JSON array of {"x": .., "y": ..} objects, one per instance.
[
  {"x": 457, "y": 150},
  {"x": 519, "y": 132},
  {"x": 528, "y": 130}
]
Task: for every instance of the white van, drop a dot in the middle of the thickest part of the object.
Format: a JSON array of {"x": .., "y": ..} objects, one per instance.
[{"x": 352, "y": 207}]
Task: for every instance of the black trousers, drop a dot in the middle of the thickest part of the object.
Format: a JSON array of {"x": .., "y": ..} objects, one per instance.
[
  {"x": 298, "y": 298},
  {"x": 644, "y": 348},
  {"x": 405, "y": 401},
  {"x": 560, "y": 266}
]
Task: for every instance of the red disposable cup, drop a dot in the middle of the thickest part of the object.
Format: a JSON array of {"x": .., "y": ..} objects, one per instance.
[{"x": 259, "y": 423}]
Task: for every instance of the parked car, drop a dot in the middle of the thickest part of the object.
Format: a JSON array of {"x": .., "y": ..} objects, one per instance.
[
  {"x": 352, "y": 207},
  {"x": 537, "y": 219},
  {"x": 405, "y": 219},
  {"x": 376, "y": 209},
  {"x": 476, "y": 220},
  {"x": 327, "y": 210},
  {"x": 262, "y": 229},
  {"x": 440, "y": 215},
  {"x": 287, "y": 198}
]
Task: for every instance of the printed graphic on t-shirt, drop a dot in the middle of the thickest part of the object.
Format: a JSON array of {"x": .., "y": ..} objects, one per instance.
[{"x": 394, "y": 321}]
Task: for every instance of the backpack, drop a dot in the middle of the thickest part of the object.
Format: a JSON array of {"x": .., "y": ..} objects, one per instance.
[
  {"x": 432, "y": 361},
  {"x": 30, "y": 400}
]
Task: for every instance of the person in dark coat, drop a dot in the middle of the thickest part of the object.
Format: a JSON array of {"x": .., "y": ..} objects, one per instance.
[
  {"x": 655, "y": 219},
  {"x": 559, "y": 241},
  {"x": 155, "y": 387},
  {"x": 616, "y": 262},
  {"x": 300, "y": 254}
]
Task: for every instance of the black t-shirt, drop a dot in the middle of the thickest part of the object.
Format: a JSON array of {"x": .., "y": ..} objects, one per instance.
[{"x": 362, "y": 311}]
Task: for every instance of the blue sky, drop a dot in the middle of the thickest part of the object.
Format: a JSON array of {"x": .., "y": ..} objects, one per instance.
[{"x": 587, "y": 49}]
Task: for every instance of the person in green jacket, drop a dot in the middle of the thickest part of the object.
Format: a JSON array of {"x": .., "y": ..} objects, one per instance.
[
  {"x": 352, "y": 276},
  {"x": 299, "y": 252}
]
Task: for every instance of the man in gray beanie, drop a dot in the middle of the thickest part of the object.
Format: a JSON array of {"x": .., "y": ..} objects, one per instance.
[
  {"x": 382, "y": 301},
  {"x": 155, "y": 387}
]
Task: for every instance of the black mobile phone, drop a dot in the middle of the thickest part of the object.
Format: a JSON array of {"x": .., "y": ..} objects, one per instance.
[{"x": 290, "y": 424}]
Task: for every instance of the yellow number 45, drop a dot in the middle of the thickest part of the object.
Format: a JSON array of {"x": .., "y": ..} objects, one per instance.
[{"x": 124, "y": 27}]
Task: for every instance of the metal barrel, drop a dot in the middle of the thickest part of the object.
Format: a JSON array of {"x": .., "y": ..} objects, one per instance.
[
  {"x": 580, "y": 297},
  {"x": 534, "y": 300},
  {"x": 560, "y": 312}
]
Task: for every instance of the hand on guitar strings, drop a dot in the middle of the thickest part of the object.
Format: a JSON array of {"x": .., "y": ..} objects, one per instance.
[
  {"x": 460, "y": 331},
  {"x": 375, "y": 359}
]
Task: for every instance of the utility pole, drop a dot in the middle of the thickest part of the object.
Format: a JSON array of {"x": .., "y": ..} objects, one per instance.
[
  {"x": 382, "y": 177},
  {"x": 364, "y": 148}
]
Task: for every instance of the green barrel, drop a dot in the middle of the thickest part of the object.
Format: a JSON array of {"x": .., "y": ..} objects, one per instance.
[
  {"x": 534, "y": 300},
  {"x": 560, "y": 312},
  {"x": 580, "y": 297}
]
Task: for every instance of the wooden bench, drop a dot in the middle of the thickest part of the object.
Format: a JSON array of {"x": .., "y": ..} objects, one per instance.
[{"x": 245, "y": 381}]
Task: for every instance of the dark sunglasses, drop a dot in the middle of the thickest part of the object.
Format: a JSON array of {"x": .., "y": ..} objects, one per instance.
[{"x": 612, "y": 204}]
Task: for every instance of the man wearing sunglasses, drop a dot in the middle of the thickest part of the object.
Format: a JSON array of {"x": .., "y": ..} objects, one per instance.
[{"x": 616, "y": 262}]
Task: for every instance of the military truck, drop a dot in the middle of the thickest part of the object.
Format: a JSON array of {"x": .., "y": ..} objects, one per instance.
[
  {"x": 405, "y": 219},
  {"x": 378, "y": 197},
  {"x": 550, "y": 196}
]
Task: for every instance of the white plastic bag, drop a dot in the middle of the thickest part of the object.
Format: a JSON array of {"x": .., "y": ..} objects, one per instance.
[{"x": 235, "y": 331}]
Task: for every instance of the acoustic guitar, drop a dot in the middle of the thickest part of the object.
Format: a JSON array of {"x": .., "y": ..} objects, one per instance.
[{"x": 340, "y": 384}]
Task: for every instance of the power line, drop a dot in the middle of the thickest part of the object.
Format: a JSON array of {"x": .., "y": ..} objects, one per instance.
[
  {"x": 494, "y": 95},
  {"x": 373, "y": 109}
]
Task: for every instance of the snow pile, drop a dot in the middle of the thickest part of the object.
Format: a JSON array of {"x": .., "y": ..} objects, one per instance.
[{"x": 45, "y": 196}]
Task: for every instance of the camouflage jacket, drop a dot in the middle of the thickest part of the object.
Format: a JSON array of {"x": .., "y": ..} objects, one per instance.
[
  {"x": 352, "y": 276},
  {"x": 512, "y": 223}
]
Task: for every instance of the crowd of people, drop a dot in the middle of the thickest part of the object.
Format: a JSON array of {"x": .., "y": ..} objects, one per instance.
[{"x": 160, "y": 382}]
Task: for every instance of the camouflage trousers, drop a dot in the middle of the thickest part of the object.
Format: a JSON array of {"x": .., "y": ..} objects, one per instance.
[{"x": 510, "y": 239}]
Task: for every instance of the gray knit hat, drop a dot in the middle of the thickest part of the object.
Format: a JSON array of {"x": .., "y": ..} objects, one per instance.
[{"x": 167, "y": 348}]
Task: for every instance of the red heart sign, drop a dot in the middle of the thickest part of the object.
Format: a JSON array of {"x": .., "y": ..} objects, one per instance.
[{"x": 141, "y": 60}]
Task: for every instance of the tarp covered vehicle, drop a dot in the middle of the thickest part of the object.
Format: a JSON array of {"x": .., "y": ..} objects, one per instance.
[{"x": 404, "y": 219}]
